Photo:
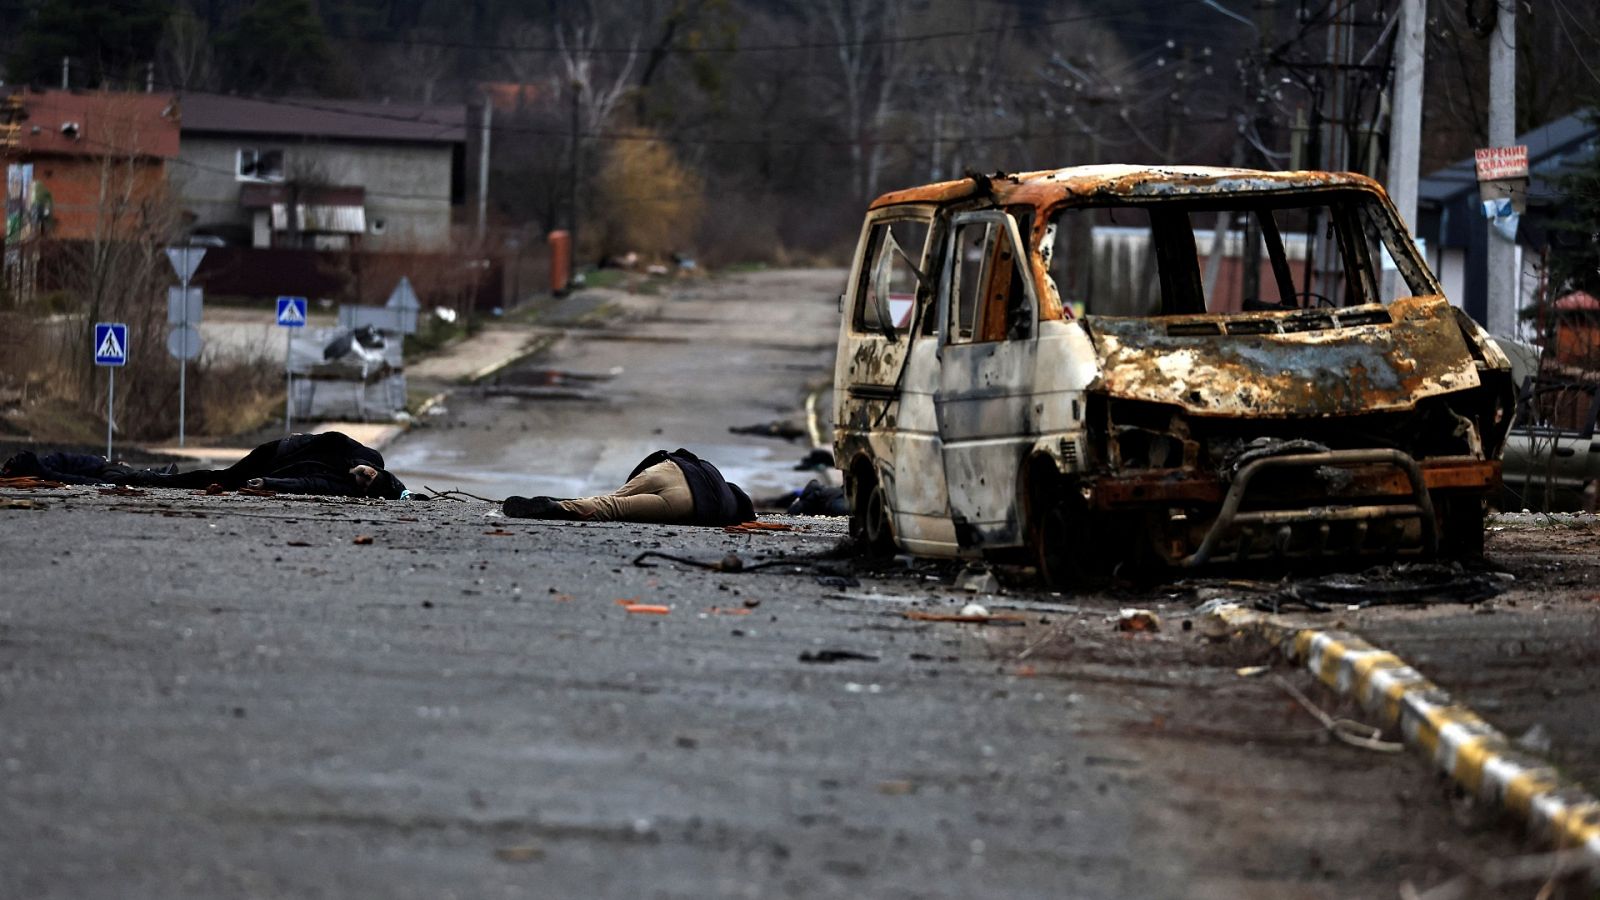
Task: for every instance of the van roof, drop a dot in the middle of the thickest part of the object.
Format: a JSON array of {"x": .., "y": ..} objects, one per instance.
[{"x": 1055, "y": 186}]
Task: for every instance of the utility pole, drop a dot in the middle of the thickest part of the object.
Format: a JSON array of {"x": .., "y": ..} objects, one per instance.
[
  {"x": 483, "y": 166},
  {"x": 66, "y": 73},
  {"x": 1405, "y": 123},
  {"x": 1502, "y": 305},
  {"x": 573, "y": 176}
]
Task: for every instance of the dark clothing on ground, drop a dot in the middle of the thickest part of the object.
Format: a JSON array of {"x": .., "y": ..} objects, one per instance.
[
  {"x": 298, "y": 464},
  {"x": 73, "y": 468},
  {"x": 716, "y": 501}
]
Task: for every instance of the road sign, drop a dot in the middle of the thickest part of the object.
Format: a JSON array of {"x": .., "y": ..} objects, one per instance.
[
  {"x": 184, "y": 306},
  {"x": 1501, "y": 163},
  {"x": 292, "y": 312},
  {"x": 183, "y": 342},
  {"x": 185, "y": 260},
  {"x": 110, "y": 344}
]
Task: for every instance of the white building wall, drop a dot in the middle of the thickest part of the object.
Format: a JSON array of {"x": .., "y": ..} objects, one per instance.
[{"x": 407, "y": 185}]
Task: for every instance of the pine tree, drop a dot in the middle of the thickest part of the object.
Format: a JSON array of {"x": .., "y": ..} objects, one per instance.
[{"x": 1575, "y": 237}]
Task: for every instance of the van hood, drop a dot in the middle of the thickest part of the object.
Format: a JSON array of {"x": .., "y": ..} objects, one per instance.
[{"x": 1315, "y": 362}]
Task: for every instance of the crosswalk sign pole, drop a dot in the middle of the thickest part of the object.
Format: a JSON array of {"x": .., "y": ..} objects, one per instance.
[
  {"x": 111, "y": 397},
  {"x": 288, "y": 388}
]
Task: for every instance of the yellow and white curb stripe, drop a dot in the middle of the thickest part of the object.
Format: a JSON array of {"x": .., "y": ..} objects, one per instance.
[{"x": 1465, "y": 747}]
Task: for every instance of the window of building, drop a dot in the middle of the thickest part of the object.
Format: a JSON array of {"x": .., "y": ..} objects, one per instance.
[{"x": 259, "y": 165}]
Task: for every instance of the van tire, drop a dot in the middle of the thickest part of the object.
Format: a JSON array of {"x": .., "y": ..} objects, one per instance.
[
  {"x": 1460, "y": 527},
  {"x": 869, "y": 516},
  {"x": 1057, "y": 533}
]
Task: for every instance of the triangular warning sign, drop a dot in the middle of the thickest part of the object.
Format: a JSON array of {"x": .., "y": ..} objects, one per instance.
[
  {"x": 110, "y": 348},
  {"x": 291, "y": 313}
]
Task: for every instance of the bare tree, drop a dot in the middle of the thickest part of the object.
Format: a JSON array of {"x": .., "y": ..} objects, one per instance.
[
  {"x": 871, "y": 64},
  {"x": 186, "y": 57}
]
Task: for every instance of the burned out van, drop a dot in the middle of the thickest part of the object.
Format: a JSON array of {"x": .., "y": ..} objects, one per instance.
[{"x": 1177, "y": 365}]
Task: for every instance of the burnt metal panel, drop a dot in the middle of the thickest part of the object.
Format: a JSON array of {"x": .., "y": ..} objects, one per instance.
[{"x": 1359, "y": 369}]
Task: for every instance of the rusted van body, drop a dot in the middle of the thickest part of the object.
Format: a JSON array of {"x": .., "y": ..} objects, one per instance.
[{"x": 1192, "y": 365}]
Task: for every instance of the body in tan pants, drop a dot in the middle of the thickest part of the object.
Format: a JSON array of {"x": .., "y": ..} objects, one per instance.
[{"x": 658, "y": 494}]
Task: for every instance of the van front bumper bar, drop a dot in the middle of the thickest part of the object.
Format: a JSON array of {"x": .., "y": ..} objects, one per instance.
[{"x": 1390, "y": 485}]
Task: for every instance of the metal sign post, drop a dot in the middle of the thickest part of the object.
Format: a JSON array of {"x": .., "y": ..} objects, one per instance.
[
  {"x": 110, "y": 349},
  {"x": 291, "y": 314},
  {"x": 185, "y": 260}
]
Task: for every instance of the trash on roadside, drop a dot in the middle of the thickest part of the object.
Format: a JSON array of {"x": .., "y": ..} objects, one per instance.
[
  {"x": 27, "y": 483},
  {"x": 500, "y": 532},
  {"x": 120, "y": 491},
  {"x": 1138, "y": 620},
  {"x": 1535, "y": 740},
  {"x": 648, "y": 609},
  {"x": 256, "y": 492},
  {"x": 1251, "y": 671},
  {"x": 756, "y": 527},
  {"x": 297, "y": 543},
  {"x": 828, "y": 657},
  {"x": 21, "y": 503},
  {"x": 528, "y": 853},
  {"x": 362, "y": 539},
  {"x": 977, "y": 581},
  {"x": 787, "y": 431},
  {"x": 974, "y": 609},
  {"x": 918, "y": 615}
]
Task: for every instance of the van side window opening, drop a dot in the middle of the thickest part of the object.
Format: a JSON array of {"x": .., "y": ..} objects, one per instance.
[
  {"x": 975, "y": 246},
  {"x": 887, "y": 296},
  {"x": 1103, "y": 263}
]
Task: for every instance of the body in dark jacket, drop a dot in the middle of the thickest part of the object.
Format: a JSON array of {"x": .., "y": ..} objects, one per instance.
[
  {"x": 672, "y": 486},
  {"x": 717, "y": 501},
  {"x": 329, "y": 463},
  {"x": 73, "y": 468}
]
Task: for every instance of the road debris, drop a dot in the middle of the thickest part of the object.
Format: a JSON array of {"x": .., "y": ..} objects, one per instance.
[
  {"x": 500, "y": 532},
  {"x": 1417, "y": 583},
  {"x": 828, "y": 657},
  {"x": 918, "y": 615},
  {"x": 28, "y": 483},
  {"x": 122, "y": 492},
  {"x": 362, "y": 539},
  {"x": 977, "y": 581},
  {"x": 757, "y": 527},
  {"x": 22, "y": 503},
  {"x": 528, "y": 853},
  {"x": 1356, "y": 734},
  {"x": 1138, "y": 620},
  {"x": 648, "y": 609}
]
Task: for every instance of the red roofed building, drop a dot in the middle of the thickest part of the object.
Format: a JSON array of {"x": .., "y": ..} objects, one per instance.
[{"x": 86, "y": 147}]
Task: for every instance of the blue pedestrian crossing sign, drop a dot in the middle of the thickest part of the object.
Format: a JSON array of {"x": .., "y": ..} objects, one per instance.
[
  {"x": 110, "y": 344},
  {"x": 292, "y": 312}
]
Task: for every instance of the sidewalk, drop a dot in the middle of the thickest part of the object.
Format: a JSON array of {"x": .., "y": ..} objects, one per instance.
[{"x": 491, "y": 349}]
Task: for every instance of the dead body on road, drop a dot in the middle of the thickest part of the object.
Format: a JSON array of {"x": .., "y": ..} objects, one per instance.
[
  {"x": 666, "y": 486},
  {"x": 330, "y": 463},
  {"x": 72, "y": 468}
]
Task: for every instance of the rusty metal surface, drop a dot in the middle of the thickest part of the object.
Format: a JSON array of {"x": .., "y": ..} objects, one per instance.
[
  {"x": 1365, "y": 368},
  {"x": 1169, "y": 486},
  {"x": 1086, "y": 183}
]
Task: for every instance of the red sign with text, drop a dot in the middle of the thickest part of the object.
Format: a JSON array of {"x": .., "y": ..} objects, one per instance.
[{"x": 1498, "y": 163}]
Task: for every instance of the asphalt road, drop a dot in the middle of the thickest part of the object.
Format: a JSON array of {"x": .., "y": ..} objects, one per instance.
[{"x": 234, "y": 696}]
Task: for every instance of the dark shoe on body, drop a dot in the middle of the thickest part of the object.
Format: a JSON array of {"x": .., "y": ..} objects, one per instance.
[{"x": 536, "y": 508}]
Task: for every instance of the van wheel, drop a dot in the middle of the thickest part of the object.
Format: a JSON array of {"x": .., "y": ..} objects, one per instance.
[
  {"x": 869, "y": 516},
  {"x": 1461, "y": 527},
  {"x": 1057, "y": 537}
]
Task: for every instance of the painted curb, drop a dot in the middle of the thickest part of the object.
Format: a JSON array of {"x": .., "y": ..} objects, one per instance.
[{"x": 1469, "y": 750}]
